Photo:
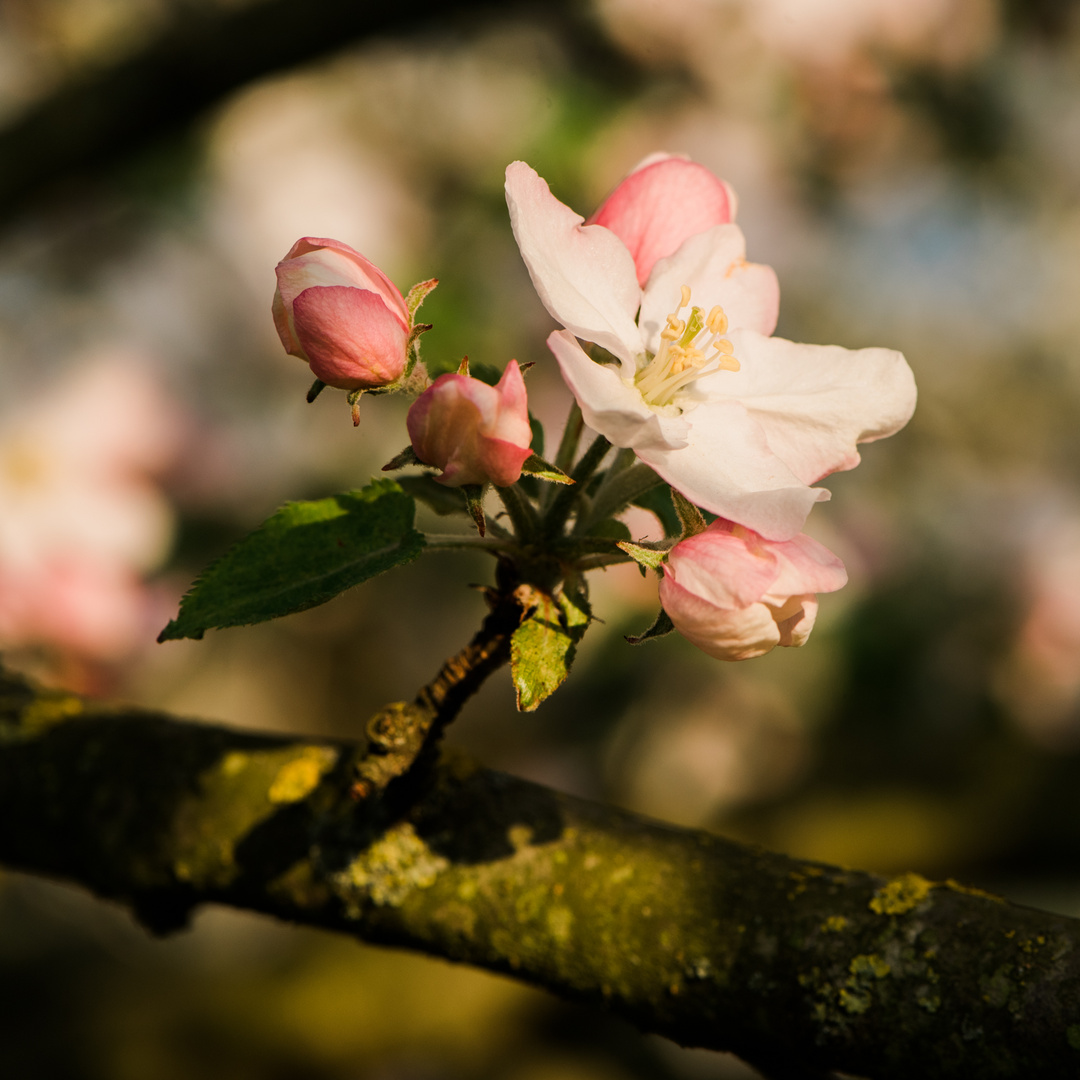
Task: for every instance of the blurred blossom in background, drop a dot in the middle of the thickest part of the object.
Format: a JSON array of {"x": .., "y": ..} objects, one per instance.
[{"x": 911, "y": 168}]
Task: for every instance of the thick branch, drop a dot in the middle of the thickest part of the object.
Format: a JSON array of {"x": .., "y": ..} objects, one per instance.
[{"x": 793, "y": 965}]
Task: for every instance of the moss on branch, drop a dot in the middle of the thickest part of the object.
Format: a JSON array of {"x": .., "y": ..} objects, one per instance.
[{"x": 793, "y": 965}]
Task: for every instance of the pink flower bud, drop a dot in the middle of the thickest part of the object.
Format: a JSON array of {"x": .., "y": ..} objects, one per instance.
[
  {"x": 663, "y": 202},
  {"x": 342, "y": 314},
  {"x": 474, "y": 432},
  {"x": 736, "y": 595}
]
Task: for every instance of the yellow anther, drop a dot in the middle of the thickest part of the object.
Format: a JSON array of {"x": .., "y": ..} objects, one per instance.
[
  {"x": 717, "y": 321},
  {"x": 722, "y": 345},
  {"x": 685, "y": 297}
]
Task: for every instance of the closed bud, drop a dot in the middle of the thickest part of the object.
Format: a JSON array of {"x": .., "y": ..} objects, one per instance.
[
  {"x": 474, "y": 432},
  {"x": 736, "y": 595},
  {"x": 341, "y": 314}
]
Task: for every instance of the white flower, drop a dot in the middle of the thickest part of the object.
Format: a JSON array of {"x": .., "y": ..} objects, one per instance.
[{"x": 741, "y": 423}]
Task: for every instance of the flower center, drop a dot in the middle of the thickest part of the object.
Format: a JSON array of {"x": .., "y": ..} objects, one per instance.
[{"x": 689, "y": 348}]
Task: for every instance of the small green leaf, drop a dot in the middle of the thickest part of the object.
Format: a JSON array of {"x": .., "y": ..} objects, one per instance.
[
  {"x": 543, "y": 646},
  {"x": 543, "y": 470},
  {"x": 660, "y": 628},
  {"x": 418, "y": 293},
  {"x": 399, "y": 461},
  {"x": 690, "y": 517},
  {"x": 647, "y": 555},
  {"x": 305, "y": 554}
]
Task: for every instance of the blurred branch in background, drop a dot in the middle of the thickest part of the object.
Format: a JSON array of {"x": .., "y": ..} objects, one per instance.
[
  {"x": 203, "y": 54},
  {"x": 795, "y": 966}
]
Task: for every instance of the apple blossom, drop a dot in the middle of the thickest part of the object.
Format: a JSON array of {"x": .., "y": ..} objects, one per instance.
[
  {"x": 736, "y": 595},
  {"x": 740, "y": 422},
  {"x": 81, "y": 520},
  {"x": 341, "y": 314},
  {"x": 474, "y": 432}
]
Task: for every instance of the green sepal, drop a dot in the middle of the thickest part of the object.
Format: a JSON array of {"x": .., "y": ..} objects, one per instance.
[
  {"x": 317, "y": 387},
  {"x": 660, "y": 628},
  {"x": 542, "y": 648},
  {"x": 649, "y": 556},
  {"x": 544, "y": 470},
  {"x": 406, "y": 457},
  {"x": 474, "y": 503},
  {"x": 418, "y": 294},
  {"x": 303, "y": 555},
  {"x": 691, "y": 518}
]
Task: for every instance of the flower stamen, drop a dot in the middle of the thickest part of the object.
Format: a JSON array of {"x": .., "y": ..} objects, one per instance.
[{"x": 689, "y": 348}]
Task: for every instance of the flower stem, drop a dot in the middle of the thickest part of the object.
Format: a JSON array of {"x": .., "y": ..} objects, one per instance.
[
  {"x": 521, "y": 511},
  {"x": 555, "y": 517}
]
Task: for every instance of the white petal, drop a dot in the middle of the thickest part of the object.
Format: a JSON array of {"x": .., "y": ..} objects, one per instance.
[
  {"x": 609, "y": 406},
  {"x": 727, "y": 467},
  {"x": 815, "y": 402},
  {"x": 583, "y": 274},
  {"x": 713, "y": 263}
]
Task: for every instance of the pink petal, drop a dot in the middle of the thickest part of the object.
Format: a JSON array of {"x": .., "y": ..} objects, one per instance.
[
  {"x": 805, "y": 567},
  {"x": 511, "y": 422},
  {"x": 347, "y": 264},
  {"x": 724, "y": 633},
  {"x": 660, "y": 205},
  {"x": 351, "y": 338},
  {"x": 795, "y": 619},
  {"x": 584, "y": 276},
  {"x": 726, "y": 569}
]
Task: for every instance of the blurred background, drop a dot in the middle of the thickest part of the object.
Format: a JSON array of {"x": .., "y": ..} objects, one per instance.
[{"x": 912, "y": 170}]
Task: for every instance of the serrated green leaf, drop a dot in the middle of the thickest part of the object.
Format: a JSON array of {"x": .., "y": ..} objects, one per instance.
[
  {"x": 305, "y": 554},
  {"x": 660, "y": 628},
  {"x": 543, "y": 646}
]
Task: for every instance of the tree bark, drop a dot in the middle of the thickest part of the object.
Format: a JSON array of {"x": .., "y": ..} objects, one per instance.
[{"x": 798, "y": 967}]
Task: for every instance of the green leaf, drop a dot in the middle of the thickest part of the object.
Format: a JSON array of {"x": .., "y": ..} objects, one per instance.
[
  {"x": 543, "y": 470},
  {"x": 435, "y": 496},
  {"x": 304, "y": 555},
  {"x": 417, "y": 294},
  {"x": 660, "y": 628},
  {"x": 543, "y": 646},
  {"x": 647, "y": 555},
  {"x": 658, "y": 501}
]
